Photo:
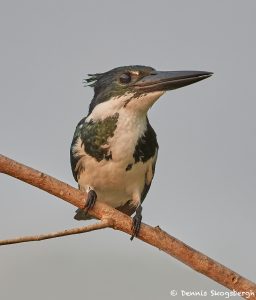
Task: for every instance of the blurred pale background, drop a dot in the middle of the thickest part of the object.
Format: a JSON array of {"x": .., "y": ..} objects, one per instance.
[{"x": 204, "y": 188}]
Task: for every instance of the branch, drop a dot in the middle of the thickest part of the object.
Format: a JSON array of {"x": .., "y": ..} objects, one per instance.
[
  {"x": 100, "y": 225},
  {"x": 153, "y": 236}
]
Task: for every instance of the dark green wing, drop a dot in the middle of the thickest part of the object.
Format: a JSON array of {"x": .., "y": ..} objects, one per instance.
[
  {"x": 145, "y": 149},
  {"x": 73, "y": 157},
  {"x": 147, "y": 186}
]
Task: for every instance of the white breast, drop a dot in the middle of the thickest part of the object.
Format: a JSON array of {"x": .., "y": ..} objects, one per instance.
[{"x": 113, "y": 184}]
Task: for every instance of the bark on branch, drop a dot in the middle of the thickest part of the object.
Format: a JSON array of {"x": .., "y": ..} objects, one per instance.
[
  {"x": 119, "y": 221},
  {"x": 32, "y": 238}
]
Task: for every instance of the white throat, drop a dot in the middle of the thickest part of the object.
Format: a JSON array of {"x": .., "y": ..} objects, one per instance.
[{"x": 136, "y": 105}]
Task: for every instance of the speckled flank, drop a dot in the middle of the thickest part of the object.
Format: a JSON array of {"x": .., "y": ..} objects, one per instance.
[{"x": 129, "y": 167}]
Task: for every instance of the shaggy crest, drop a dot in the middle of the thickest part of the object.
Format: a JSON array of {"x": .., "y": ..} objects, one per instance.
[{"x": 92, "y": 79}]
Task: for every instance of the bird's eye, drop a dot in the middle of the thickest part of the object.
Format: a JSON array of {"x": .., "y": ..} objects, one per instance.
[{"x": 125, "y": 78}]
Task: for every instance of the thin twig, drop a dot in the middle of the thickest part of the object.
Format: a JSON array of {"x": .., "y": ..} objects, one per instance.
[
  {"x": 153, "y": 236},
  {"x": 96, "y": 226}
]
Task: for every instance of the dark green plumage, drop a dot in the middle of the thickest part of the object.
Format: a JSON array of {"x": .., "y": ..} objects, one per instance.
[
  {"x": 75, "y": 158},
  {"x": 94, "y": 135},
  {"x": 146, "y": 146}
]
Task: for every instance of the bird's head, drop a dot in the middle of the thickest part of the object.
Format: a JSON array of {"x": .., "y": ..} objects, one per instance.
[{"x": 136, "y": 87}]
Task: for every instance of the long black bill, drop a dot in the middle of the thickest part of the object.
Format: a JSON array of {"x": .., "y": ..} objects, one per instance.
[{"x": 170, "y": 80}]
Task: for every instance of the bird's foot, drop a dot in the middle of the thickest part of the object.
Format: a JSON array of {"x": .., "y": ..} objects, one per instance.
[
  {"x": 136, "y": 222},
  {"x": 90, "y": 201}
]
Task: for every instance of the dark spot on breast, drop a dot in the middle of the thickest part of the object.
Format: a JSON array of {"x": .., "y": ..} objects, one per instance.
[
  {"x": 108, "y": 156},
  {"x": 95, "y": 137},
  {"x": 129, "y": 167},
  {"x": 127, "y": 101}
]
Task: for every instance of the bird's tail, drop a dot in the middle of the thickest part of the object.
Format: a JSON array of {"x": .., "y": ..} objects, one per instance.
[{"x": 81, "y": 215}]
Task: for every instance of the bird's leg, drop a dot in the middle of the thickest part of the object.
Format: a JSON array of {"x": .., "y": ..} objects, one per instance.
[
  {"x": 90, "y": 201},
  {"x": 136, "y": 222}
]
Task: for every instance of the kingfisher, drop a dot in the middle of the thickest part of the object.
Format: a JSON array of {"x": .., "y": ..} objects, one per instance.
[{"x": 114, "y": 149}]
